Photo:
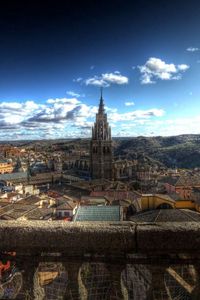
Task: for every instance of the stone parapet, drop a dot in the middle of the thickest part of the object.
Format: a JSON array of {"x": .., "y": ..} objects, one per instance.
[
  {"x": 68, "y": 237},
  {"x": 100, "y": 238}
]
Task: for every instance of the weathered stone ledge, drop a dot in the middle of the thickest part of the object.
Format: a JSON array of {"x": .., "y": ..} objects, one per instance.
[{"x": 99, "y": 237}]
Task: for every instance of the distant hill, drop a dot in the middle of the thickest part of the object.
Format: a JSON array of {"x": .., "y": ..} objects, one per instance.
[{"x": 181, "y": 151}]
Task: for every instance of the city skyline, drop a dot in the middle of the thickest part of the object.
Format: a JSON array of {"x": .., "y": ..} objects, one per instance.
[{"x": 55, "y": 57}]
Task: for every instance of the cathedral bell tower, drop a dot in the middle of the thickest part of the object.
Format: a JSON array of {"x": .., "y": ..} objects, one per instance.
[{"x": 101, "y": 146}]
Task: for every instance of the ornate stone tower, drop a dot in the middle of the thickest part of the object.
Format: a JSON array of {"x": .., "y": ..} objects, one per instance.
[{"x": 101, "y": 146}]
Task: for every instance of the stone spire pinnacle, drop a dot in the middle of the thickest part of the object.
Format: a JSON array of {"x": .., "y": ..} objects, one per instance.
[
  {"x": 101, "y": 104},
  {"x": 101, "y": 145}
]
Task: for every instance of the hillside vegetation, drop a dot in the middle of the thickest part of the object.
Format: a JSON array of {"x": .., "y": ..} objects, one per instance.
[{"x": 181, "y": 151}]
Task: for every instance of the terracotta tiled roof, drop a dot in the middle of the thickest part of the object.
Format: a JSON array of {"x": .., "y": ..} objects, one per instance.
[
  {"x": 167, "y": 215},
  {"x": 68, "y": 205},
  {"x": 188, "y": 180},
  {"x": 40, "y": 213}
]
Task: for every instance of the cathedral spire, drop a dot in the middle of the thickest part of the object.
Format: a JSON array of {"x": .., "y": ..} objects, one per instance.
[
  {"x": 101, "y": 104},
  {"x": 101, "y": 145},
  {"x": 101, "y": 91}
]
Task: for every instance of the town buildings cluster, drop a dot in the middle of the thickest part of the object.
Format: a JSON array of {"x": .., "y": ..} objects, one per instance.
[{"x": 51, "y": 182}]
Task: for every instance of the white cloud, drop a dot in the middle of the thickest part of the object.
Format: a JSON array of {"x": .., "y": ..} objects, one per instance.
[
  {"x": 49, "y": 120},
  {"x": 173, "y": 126},
  {"x": 155, "y": 68},
  {"x": 192, "y": 49},
  {"x": 129, "y": 103},
  {"x": 79, "y": 79},
  {"x": 73, "y": 94},
  {"x": 115, "y": 77},
  {"x": 136, "y": 114},
  {"x": 156, "y": 127},
  {"x": 110, "y": 110},
  {"x": 182, "y": 67},
  {"x": 15, "y": 112},
  {"x": 70, "y": 101},
  {"x": 106, "y": 79},
  {"x": 61, "y": 118},
  {"x": 96, "y": 81},
  {"x": 146, "y": 78}
]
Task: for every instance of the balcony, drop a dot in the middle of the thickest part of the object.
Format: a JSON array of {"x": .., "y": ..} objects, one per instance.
[{"x": 126, "y": 260}]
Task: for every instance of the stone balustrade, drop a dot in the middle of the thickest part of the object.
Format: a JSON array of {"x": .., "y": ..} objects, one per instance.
[
  {"x": 103, "y": 260},
  {"x": 114, "y": 238}
]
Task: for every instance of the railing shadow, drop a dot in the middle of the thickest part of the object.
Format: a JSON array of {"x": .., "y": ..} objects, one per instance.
[{"x": 33, "y": 277}]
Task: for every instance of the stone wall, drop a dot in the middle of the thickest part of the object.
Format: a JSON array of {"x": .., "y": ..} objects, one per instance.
[{"x": 104, "y": 238}]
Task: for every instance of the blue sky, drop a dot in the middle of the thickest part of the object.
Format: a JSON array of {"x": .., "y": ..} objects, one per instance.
[{"x": 54, "y": 59}]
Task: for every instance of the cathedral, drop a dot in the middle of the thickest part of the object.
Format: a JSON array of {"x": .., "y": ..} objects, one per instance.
[
  {"x": 101, "y": 156},
  {"x": 103, "y": 164}
]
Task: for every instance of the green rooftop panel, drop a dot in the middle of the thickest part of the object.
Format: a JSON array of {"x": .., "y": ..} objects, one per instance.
[{"x": 97, "y": 213}]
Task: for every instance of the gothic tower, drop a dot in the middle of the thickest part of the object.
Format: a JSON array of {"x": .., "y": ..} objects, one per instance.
[{"x": 101, "y": 146}]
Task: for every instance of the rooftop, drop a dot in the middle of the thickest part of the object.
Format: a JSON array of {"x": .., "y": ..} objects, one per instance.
[
  {"x": 68, "y": 205},
  {"x": 170, "y": 180},
  {"x": 40, "y": 214},
  {"x": 30, "y": 200},
  {"x": 189, "y": 180},
  {"x": 98, "y": 213},
  {"x": 167, "y": 215},
  {"x": 11, "y": 176},
  {"x": 16, "y": 211},
  {"x": 3, "y": 161}
]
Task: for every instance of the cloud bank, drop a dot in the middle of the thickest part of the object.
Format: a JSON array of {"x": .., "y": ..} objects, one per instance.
[
  {"x": 71, "y": 118},
  {"x": 61, "y": 118}
]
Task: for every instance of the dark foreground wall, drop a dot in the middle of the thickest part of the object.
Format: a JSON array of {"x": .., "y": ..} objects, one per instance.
[{"x": 99, "y": 237}]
